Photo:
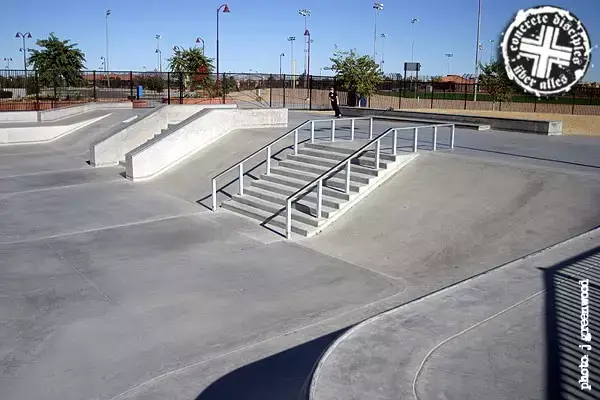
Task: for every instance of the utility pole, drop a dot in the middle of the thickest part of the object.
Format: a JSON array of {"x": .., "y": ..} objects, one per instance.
[
  {"x": 305, "y": 13},
  {"x": 106, "y": 56},
  {"x": 378, "y": 7},
  {"x": 477, "y": 52}
]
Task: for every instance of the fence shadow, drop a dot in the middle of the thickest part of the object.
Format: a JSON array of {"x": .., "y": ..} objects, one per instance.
[
  {"x": 563, "y": 309},
  {"x": 285, "y": 375}
]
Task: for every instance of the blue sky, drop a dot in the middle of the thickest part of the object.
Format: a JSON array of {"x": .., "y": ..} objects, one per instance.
[{"x": 254, "y": 33}]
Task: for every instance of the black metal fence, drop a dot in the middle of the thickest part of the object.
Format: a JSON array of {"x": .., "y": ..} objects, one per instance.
[{"x": 27, "y": 91}]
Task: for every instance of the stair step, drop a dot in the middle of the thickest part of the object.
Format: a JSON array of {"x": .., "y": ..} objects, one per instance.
[
  {"x": 306, "y": 216},
  {"x": 288, "y": 188},
  {"x": 309, "y": 176},
  {"x": 340, "y": 156},
  {"x": 306, "y": 202},
  {"x": 267, "y": 218},
  {"x": 357, "y": 164},
  {"x": 300, "y": 166}
]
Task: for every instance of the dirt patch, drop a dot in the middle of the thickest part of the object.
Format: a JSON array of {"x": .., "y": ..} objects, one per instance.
[{"x": 587, "y": 125}]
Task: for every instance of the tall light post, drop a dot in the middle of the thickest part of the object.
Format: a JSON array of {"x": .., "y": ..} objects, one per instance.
[
  {"x": 24, "y": 36},
  {"x": 103, "y": 64},
  {"x": 412, "y": 52},
  {"x": 8, "y": 60},
  {"x": 106, "y": 55},
  {"x": 477, "y": 50},
  {"x": 292, "y": 70},
  {"x": 449, "y": 57},
  {"x": 491, "y": 51},
  {"x": 378, "y": 7},
  {"x": 383, "y": 36},
  {"x": 280, "y": 58},
  {"x": 305, "y": 13},
  {"x": 200, "y": 40},
  {"x": 225, "y": 9},
  {"x": 307, "y": 74},
  {"x": 158, "y": 37}
]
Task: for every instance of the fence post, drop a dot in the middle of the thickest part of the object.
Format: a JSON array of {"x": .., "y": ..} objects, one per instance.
[
  {"x": 271, "y": 90},
  {"x": 432, "y": 95},
  {"x": 223, "y": 87},
  {"x": 399, "y": 93},
  {"x": 309, "y": 92},
  {"x": 94, "y": 83},
  {"x": 131, "y": 84},
  {"x": 573, "y": 106},
  {"x": 37, "y": 91},
  {"x": 181, "y": 88},
  {"x": 168, "y": 88},
  {"x": 465, "y": 96},
  {"x": 283, "y": 81}
]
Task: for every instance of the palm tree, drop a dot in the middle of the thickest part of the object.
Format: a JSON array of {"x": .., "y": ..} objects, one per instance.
[{"x": 58, "y": 63}]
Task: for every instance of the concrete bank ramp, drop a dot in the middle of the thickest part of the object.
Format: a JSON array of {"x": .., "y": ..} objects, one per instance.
[
  {"x": 175, "y": 145},
  {"x": 111, "y": 149}
]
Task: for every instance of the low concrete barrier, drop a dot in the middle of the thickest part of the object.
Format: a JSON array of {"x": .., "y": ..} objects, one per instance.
[
  {"x": 41, "y": 134},
  {"x": 511, "y": 124},
  {"x": 18, "y": 116},
  {"x": 64, "y": 112},
  {"x": 112, "y": 149},
  {"x": 170, "y": 148}
]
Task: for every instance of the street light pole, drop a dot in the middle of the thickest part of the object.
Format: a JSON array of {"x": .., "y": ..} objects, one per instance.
[
  {"x": 198, "y": 40},
  {"x": 305, "y": 13},
  {"x": 491, "y": 51},
  {"x": 158, "y": 37},
  {"x": 106, "y": 56},
  {"x": 24, "y": 36},
  {"x": 383, "y": 36},
  {"x": 412, "y": 53},
  {"x": 225, "y": 9},
  {"x": 477, "y": 52},
  {"x": 291, "y": 40},
  {"x": 280, "y": 57},
  {"x": 307, "y": 75},
  {"x": 377, "y": 7},
  {"x": 8, "y": 60},
  {"x": 449, "y": 57}
]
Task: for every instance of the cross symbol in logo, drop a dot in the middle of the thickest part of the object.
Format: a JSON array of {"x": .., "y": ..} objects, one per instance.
[{"x": 545, "y": 52}]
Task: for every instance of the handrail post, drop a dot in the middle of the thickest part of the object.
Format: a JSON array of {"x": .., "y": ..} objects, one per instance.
[
  {"x": 214, "y": 194},
  {"x": 352, "y": 130},
  {"x": 288, "y": 219},
  {"x": 395, "y": 142},
  {"x": 371, "y": 128},
  {"x": 296, "y": 141},
  {"x": 333, "y": 130},
  {"x": 241, "y": 171},
  {"x": 268, "y": 160},
  {"x": 415, "y": 139},
  {"x": 312, "y": 131},
  {"x": 348, "y": 176},
  {"x": 377, "y": 150},
  {"x": 435, "y": 138},
  {"x": 452, "y": 136},
  {"x": 319, "y": 197}
]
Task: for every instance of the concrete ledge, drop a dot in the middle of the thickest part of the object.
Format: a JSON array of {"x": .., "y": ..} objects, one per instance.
[
  {"x": 18, "y": 116},
  {"x": 172, "y": 147},
  {"x": 511, "y": 124},
  {"x": 41, "y": 134},
  {"x": 112, "y": 149},
  {"x": 64, "y": 112}
]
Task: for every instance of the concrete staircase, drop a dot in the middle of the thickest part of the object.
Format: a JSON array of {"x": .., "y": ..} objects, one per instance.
[{"x": 265, "y": 198}]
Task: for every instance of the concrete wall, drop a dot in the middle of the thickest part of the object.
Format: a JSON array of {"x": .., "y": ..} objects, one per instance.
[
  {"x": 512, "y": 124},
  {"x": 64, "y": 112},
  {"x": 41, "y": 134},
  {"x": 112, "y": 149},
  {"x": 170, "y": 148},
  {"x": 18, "y": 116},
  {"x": 181, "y": 112}
]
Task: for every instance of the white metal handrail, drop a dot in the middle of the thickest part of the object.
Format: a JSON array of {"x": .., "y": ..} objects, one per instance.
[
  {"x": 267, "y": 147},
  {"x": 346, "y": 162}
]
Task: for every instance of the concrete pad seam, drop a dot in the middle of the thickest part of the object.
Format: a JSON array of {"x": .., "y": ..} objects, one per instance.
[
  {"x": 204, "y": 217},
  {"x": 50, "y": 172},
  {"x": 78, "y": 271},
  {"x": 6, "y": 195},
  {"x": 61, "y": 235}
]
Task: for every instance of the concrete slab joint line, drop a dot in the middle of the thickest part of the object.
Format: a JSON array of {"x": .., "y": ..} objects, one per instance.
[
  {"x": 42, "y": 134},
  {"x": 172, "y": 147},
  {"x": 539, "y": 127},
  {"x": 112, "y": 149}
]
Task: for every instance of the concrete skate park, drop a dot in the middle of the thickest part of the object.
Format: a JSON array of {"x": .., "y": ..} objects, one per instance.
[{"x": 214, "y": 252}]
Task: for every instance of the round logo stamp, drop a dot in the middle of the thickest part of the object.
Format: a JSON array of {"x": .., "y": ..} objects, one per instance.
[{"x": 546, "y": 50}]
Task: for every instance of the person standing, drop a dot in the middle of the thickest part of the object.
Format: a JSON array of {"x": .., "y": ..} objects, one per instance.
[{"x": 333, "y": 98}]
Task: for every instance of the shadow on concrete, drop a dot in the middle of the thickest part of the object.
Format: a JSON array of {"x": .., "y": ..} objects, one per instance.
[
  {"x": 563, "y": 334},
  {"x": 529, "y": 157},
  {"x": 285, "y": 375}
]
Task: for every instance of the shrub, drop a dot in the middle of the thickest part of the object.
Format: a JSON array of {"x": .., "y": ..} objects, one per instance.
[{"x": 5, "y": 94}]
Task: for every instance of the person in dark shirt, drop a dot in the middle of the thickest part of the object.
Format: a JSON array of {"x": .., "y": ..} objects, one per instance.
[{"x": 333, "y": 98}]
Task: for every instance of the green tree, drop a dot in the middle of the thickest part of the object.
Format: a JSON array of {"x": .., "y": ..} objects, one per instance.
[
  {"x": 59, "y": 63},
  {"x": 495, "y": 81},
  {"x": 195, "y": 67},
  {"x": 359, "y": 75}
]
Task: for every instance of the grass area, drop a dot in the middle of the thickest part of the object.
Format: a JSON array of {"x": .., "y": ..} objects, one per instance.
[{"x": 587, "y": 125}]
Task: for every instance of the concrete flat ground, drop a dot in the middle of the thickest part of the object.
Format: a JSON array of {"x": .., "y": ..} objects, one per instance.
[{"x": 115, "y": 290}]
